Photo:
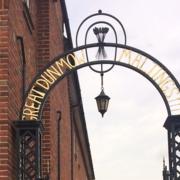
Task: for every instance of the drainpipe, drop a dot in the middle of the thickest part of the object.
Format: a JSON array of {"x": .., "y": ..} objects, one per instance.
[
  {"x": 58, "y": 143},
  {"x": 23, "y": 61}
]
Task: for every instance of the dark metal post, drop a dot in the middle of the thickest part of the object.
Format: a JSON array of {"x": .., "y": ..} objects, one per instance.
[
  {"x": 58, "y": 144},
  {"x": 172, "y": 125},
  {"x": 28, "y": 135},
  {"x": 165, "y": 173}
]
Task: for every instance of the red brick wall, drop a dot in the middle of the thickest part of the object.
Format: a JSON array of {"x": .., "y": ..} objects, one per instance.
[
  {"x": 59, "y": 102},
  {"x": 43, "y": 57},
  {"x": 12, "y": 24},
  {"x": 4, "y": 90},
  {"x": 18, "y": 27},
  {"x": 42, "y": 42},
  {"x": 79, "y": 171},
  {"x": 49, "y": 45}
]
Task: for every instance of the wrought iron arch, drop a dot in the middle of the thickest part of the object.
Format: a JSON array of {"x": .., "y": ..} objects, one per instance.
[
  {"x": 64, "y": 61},
  {"x": 64, "y": 64},
  {"x": 73, "y": 60}
]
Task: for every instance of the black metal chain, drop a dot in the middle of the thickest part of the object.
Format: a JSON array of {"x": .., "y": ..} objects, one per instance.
[{"x": 102, "y": 74}]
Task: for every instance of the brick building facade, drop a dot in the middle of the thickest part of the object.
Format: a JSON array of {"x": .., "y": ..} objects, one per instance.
[{"x": 31, "y": 34}]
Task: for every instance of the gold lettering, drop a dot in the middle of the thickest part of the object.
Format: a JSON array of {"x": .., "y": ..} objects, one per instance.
[
  {"x": 165, "y": 82},
  {"x": 142, "y": 64},
  {"x": 177, "y": 109},
  {"x": 178, "y": 104},
  {"x": 81, "y": 58},
  {"x": 61, "y": 64},
  {"x": 71, "y": 57},
  {"x": 138, "y": 61},
  {"x": 35, "y": 98},
  {"x": 42, "y": 83},
  {"x": 167, "y": 86},
  {"x": 32, "y": 114},
  {"x": 154, "y": 71},
  {"x": 32, "y": 105},
  {"x": 172, "y": 100},
  {"x": 50, "y": 75},
  {"x": 38, "y": 92},
  {"x": 151, "y": 70},
  {"x": 125, "y": 54},
  {"x": 49, "y": 79},
  {"x": 52, "y": 71},
  {"x": 171, "y": 91},
  {"x": 23, "y": 117}
]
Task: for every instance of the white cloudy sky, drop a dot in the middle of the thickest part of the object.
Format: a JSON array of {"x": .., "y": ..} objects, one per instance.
[{"x": 130, "y": 141}]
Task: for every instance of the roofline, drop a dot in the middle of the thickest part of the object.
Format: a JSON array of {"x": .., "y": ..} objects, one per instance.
[{"x": 69, "y": 37}]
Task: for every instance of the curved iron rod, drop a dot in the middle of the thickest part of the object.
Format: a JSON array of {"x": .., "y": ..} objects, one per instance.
[
  {"x": 103, "y": 14},
  {"x": 106, "y": 62}
]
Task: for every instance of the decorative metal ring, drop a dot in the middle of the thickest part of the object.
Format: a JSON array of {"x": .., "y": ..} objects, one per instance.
[
  {"x": 100, "y": 13},
  {"x": 86, "y": 35}
]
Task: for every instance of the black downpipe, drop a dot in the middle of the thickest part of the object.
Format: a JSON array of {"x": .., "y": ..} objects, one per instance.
[
  {"x": 72, "y": 146},
  {"x": 58, "y": 144},
  {"x": 23, "y": 61}
]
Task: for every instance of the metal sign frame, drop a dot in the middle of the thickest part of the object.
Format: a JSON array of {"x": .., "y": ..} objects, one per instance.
[
  {"x": 69, "y": 68},
  {"x": 126, "y": 56}
]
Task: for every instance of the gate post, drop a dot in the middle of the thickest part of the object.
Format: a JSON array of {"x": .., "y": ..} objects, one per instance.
[
  {"x": 172, "y": 125},
  {"x": 165, "y": 173},
  {"x": 28, "y": 136}
]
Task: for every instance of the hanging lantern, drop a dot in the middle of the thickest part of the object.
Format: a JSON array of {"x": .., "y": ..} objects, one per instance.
[{"x": 102, "y": 102}]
